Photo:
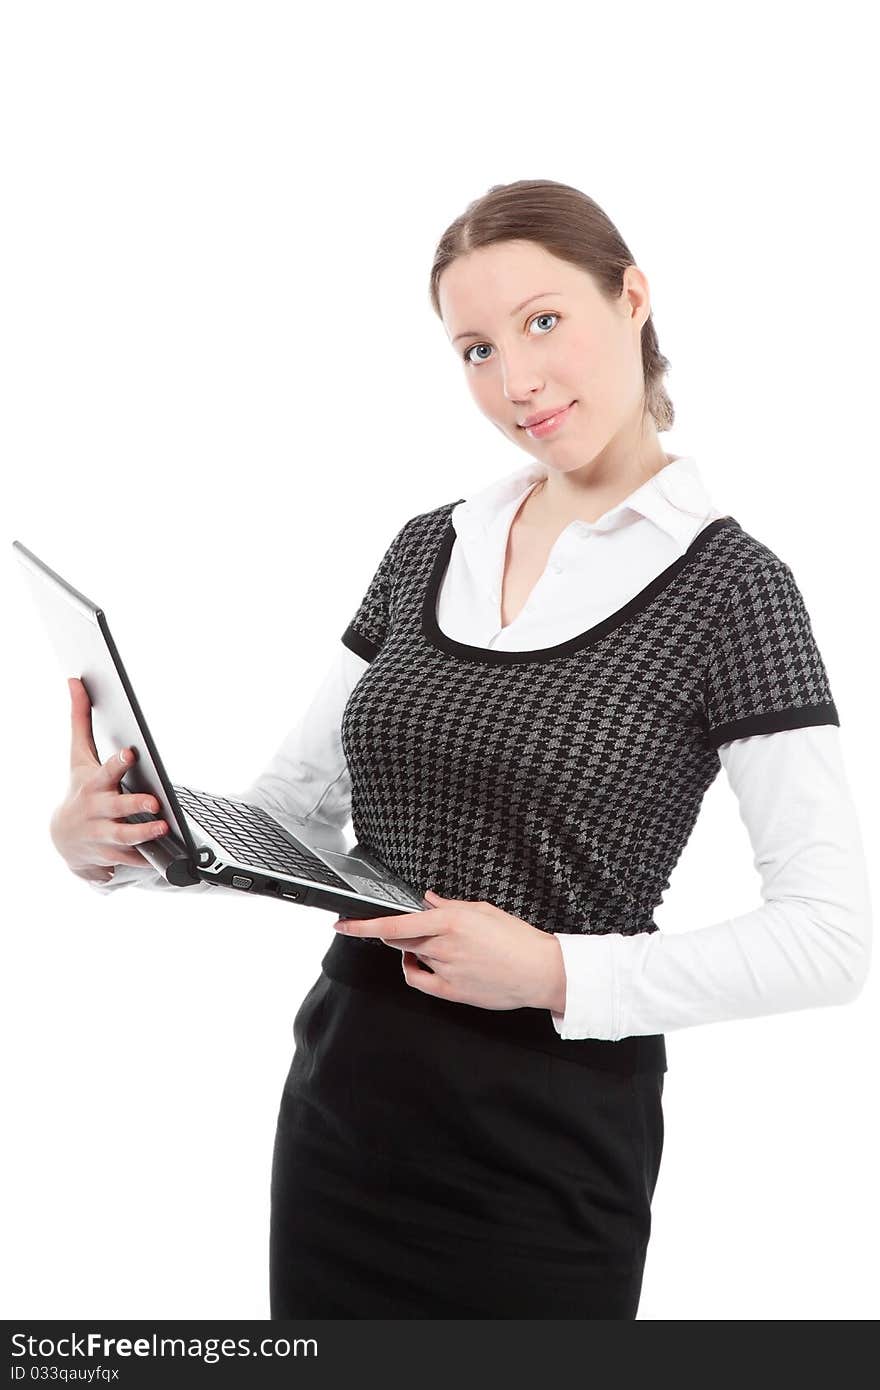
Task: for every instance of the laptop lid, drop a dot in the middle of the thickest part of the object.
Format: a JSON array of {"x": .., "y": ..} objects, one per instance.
[{"x": 79, "y": 633}]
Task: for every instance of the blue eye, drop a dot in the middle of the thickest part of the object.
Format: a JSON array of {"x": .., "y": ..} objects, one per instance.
[{"x": 468, "y": 351}]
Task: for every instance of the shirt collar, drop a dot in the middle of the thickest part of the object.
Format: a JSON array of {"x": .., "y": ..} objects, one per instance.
[{"x": 675, "y": 499}]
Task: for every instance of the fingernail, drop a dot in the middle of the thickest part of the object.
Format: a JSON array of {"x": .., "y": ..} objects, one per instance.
[{"x": 123, "y": 757}]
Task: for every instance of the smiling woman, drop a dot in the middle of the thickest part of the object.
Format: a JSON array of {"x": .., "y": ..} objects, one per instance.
[
  {"x": 441, "y": 1150},
  {"x": 484, "y": 1140},
  {"x": 589, "y": 339}
]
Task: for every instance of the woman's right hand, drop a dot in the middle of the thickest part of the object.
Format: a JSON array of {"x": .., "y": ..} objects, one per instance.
[{"x": 87, "y": 828}]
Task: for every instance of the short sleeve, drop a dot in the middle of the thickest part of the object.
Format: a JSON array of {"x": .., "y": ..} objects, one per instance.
[
  {"x": 367, "y": 629},
  {"x": 765, "y": 671}
]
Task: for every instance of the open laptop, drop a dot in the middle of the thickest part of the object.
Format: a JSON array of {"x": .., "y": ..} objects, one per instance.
[{"x": 218, "y": 839}]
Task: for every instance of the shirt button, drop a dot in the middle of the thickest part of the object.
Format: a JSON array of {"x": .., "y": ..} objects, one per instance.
[{"x": 556, "y": 567}]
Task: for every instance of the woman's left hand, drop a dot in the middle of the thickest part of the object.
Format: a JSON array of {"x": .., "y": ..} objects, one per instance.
[{"x": 479, "y": 954}]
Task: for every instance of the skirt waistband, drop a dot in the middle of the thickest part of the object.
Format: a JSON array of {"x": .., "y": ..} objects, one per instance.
[{"x": 371, "y": 965}]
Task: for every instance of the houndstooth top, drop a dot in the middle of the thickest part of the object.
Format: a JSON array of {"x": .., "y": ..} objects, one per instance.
[
  {"x": 562, "y": 784},
  {"x": 808, "y": 941}
]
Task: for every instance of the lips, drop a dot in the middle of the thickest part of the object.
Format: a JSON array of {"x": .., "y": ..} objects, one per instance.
[{"x": 544, "y": 415}]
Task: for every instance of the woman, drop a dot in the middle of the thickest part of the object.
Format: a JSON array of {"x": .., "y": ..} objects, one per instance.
[{"x": 528, "y": 706}]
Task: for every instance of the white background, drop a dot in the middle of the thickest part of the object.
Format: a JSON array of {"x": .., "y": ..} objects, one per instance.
[{"x": 225, "y": 390}]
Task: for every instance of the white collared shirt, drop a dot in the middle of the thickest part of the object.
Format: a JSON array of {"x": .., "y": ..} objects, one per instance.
[
  {"x": 813, "y": 929},
  {"x": 592, "y": 570}
]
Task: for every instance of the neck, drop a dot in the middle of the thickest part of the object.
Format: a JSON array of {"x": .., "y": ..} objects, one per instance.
[{"x": 562, "y": 498}]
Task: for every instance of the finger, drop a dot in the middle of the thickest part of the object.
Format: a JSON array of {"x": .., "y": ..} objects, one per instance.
[
  {"x": 115, "y": 805},
  {"x": 114, "y": 832},
  {"x": 113, "y": 769},
  {"x": 422, "y": 979},
  {"x": 410, "y": 943},
  {"x": 82, "y": 743},
  {"x": 398, "y": 926}
]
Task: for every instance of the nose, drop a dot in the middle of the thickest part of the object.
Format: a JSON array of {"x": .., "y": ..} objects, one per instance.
[
  {"x": 521, "y": 389},
  {"x": 521, "y": 382}
]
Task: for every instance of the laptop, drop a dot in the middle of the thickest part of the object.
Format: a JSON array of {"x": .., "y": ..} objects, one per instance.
[{"x": 215, "y": 839}]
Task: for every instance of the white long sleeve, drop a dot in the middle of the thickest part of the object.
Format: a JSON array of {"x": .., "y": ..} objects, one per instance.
[{"x": 809, "y": 944}]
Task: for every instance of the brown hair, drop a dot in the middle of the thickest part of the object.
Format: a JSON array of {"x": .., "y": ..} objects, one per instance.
[{"x": 570, "y": 225}]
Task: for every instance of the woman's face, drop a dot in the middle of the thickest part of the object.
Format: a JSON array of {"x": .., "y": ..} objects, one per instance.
[{"x": 568, "y": 344}]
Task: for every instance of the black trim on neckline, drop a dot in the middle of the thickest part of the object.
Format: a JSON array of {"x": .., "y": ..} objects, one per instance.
[{"x": 437, "y": 638}]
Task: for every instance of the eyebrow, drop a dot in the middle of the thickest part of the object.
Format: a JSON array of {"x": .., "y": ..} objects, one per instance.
[{"x": 471, "y": 333}]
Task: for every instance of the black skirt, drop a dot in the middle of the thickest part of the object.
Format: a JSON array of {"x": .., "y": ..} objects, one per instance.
[{"x": 437, "y": 1160}]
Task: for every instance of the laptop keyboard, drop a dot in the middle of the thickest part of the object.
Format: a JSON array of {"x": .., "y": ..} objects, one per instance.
[{"x": 248, "y": 834}]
